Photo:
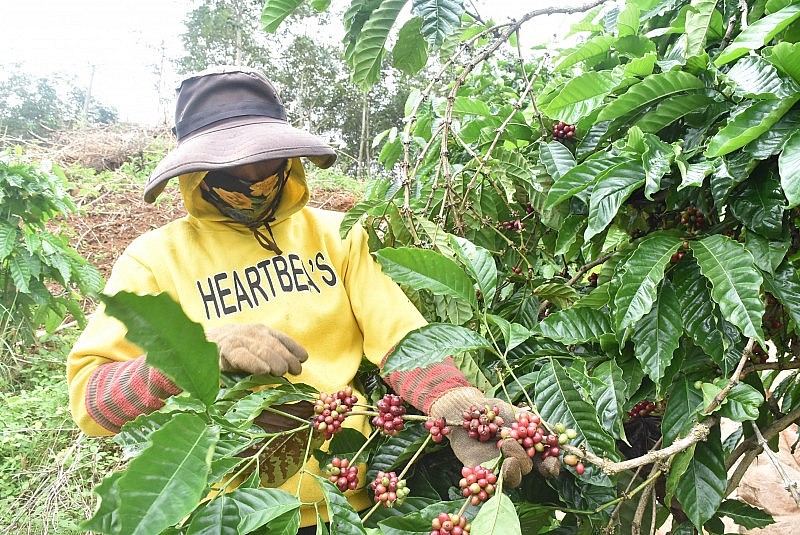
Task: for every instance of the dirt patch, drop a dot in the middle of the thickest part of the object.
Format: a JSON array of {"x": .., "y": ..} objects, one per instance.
[{"x": 112, "y": 219}]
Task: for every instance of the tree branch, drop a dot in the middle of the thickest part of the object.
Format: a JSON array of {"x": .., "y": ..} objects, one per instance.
[
  {"x": 698, "y": 433},
  {"x": 733, "y": 381}
]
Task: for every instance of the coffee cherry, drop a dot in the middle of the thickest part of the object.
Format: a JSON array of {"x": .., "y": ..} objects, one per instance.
[
  {"x": 437, "y": 428},
  {"x": 477, "y": 483},
  {"x": 390, "y": 417},
  {"x": 642, "y": 408},
  {"x": 482, "y": 423},
  {"x": 563, "y": 131},
  {"x": 538, "y": 442},
  {"x": 342, "y": 474},
  {"x": 388, "y": 489},
  {"x": 593, "y": 280},
  {"x": 330, "y": 410},
  {"x": 449, "y": 524},
  {"x": 579, "y": 468}
]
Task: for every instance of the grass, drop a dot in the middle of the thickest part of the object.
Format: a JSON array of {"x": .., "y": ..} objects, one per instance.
[{"x": 48, "y": 468}]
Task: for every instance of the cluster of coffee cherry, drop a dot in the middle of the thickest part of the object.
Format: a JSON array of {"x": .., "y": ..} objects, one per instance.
[
  {"x": 482, "y": 423},
  {"x": 515, "y": 225},
  {"x": 477, "y": 483},
  {"x": 563, "y": 131},
  {"x": 330, "y": 410},
  {"x": 437, "y": 427},
  {"x": 389, "y": 489},
  {"x": 693, "y": 220},
  {"x": 516, "y": 270},
  {"x": 390, "y": 414},
  {"x": 449, "y": 524},
  {"x": 342, "y": 474},
  {"x": 528, "y": 431},
  {"x": 641, "y": 409}
]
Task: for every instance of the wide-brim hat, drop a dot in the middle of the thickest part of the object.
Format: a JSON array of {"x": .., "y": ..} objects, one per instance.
[{"x": 227, "y": 117}]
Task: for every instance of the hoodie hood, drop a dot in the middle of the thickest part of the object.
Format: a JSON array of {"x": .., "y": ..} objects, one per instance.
[{"x": 295, "y": 196}]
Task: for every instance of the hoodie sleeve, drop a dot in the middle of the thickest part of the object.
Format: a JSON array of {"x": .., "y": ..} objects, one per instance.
[
  {"x": 385, "y": 316},
  {"x": 108, "y": 379}
]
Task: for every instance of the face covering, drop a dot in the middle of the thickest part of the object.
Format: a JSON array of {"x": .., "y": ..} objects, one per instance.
[{"x": 251, "y": 203}]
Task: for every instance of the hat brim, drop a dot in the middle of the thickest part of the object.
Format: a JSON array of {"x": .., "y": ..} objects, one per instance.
[{"x": 234, "y": 142}]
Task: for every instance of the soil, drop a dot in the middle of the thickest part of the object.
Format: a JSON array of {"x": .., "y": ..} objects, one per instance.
[{"x": 112, "y": 219}]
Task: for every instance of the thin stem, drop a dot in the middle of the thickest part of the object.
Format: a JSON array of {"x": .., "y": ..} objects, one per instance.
[
  {"x": 415, "y": 457},
  {"x": 369, "y": 513},
  {"x": 305, "y": 458},
  {"x": 364, "y": 446},
  {"x": 788, "y": 484}
]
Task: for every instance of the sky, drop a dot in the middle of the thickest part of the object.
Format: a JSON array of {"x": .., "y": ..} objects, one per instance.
[{"x": 112, "y": 46}]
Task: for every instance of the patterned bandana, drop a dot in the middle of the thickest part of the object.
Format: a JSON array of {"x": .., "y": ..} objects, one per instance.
[{"x": 251, "y": 203}]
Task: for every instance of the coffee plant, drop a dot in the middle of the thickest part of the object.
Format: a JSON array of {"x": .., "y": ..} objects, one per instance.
[
  {"x": 628, "y": 286},
  {"x": 41, "y": 277}
]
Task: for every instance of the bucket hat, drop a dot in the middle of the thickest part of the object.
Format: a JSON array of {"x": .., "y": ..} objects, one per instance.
[{"x": 231, "y": 116}]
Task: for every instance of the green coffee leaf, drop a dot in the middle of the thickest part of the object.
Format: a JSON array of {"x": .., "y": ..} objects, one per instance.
[
  {"x": 697, "y": 309},
  {"x": 671, "y": 109},
  {"x": 685, "y": 402},
  {"x": 657, "y": 335},
  {"x": 424, "y": 269},
  {"x": 581, "y": 177},
  {"x": 758, "y": 34},
  {"x": 735, "y": 282},
  {"x": 745, "y": 514},
  {"x": 497, "y": 517},
  {"x": 174, "y": 344},
  {"x": 749, "y": 125},
  {"x": 653, "y": 88},
  {"x": 343, "y": 518},
  {"x": 610, "y": 398},
  {"x": 641, "y": 275},
  {"x": 789, "y": 168},
  {"x": 580, "y": 96},
  {"x": 574, "y": 326},
  {"x": 702, "y": 487},
  {"x": 167, "y": 480},
  {"x": 609, "y": 193},
  {"x": 559, "y": 401},
  {"x": 276, "y": 11},
  {"x": 431, "y": 344}
]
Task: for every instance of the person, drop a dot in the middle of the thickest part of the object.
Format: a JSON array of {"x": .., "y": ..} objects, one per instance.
[{"x": 268, "y": 277}]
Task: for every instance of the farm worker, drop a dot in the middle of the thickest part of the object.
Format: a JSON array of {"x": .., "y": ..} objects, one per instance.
[{"x": 268, "y": 277}]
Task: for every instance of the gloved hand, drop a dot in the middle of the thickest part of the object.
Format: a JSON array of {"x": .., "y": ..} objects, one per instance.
[
  {"x": 470, "y": 451},
  {"x": 256, "y": 349}
]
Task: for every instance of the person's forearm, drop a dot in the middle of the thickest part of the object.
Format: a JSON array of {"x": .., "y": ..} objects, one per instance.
[
  {"x": 118, "y": 392},
  {"x": 422, "y": 386}
]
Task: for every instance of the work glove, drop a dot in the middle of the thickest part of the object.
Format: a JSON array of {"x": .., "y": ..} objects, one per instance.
[
  {"x": 472, "y": 452},
  {"x": 257, "y": 349}
]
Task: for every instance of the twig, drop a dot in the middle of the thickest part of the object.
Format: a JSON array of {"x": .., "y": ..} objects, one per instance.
[
  {"x": 788, "y": 484},
  {"x": 581, "y": 271},
  {"x": 636, "y": 523},
  {"x": 698, "y": 433},
  {"x": 792, "y": 365},
  {"x": 733, "y": 381}
]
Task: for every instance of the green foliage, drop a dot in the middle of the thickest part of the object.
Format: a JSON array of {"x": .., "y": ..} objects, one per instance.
[
  {"x": 47, "y": 466},
  {"x": 32, "y": 256},
  {"x": 34, "y": 107}
]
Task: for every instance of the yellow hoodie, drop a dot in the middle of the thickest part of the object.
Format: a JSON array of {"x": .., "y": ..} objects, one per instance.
[{"x": 326, "y": 293}]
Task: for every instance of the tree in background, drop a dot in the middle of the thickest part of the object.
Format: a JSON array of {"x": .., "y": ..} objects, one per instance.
[
  {"x": 223, "y": 32},
  {"x": 35, "y": 107},
  {"x": 311, "y": 72}
]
